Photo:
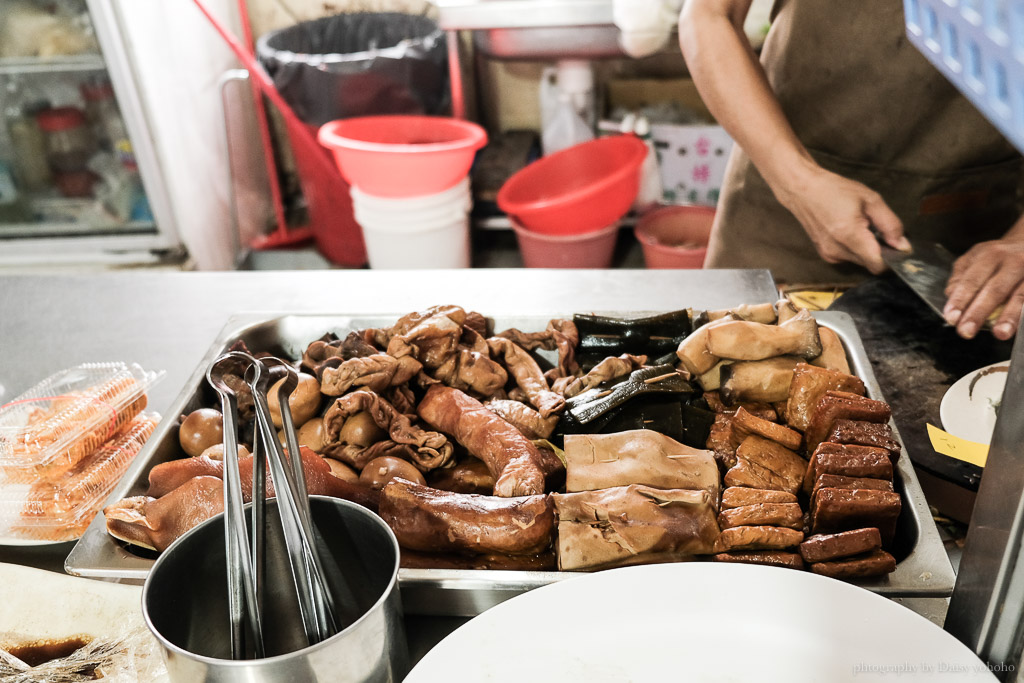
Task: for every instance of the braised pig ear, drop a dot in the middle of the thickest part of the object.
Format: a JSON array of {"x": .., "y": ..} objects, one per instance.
[{"x": 742, "y": 340}]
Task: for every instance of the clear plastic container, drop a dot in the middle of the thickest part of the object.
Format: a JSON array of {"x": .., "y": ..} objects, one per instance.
[
  {"x": 69, "y": 140},
  {"x": 60, "y": 509},
  {"x": 47, "y": 431}
]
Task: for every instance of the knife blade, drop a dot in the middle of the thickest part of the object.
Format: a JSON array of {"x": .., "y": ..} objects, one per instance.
[{"x": 925, "y": 269}]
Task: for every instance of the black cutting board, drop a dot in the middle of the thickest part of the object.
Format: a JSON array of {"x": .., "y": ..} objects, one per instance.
[{"x": 916, "y": 358}]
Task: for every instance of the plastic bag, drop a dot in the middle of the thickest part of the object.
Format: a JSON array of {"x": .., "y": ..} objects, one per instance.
[{"x": 359, "y": 64}]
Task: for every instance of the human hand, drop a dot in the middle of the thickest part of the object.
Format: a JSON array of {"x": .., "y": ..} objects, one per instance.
[
  {"x": 838, "y": 215},
  {"x": 990, "y": 275}
]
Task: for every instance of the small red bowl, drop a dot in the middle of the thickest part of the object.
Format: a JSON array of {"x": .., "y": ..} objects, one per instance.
[
  {"x": 675, "y": 236},
  {"x": 403, "y": 155},
  {"x": 580, "y": 189}
]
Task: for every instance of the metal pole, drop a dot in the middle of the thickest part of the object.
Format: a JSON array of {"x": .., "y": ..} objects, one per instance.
[{"x": 986, "y": 610}]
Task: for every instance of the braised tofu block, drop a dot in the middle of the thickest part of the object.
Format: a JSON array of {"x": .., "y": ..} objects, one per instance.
[
  {"x": 632, "y": 524},
  {"x": 838, "y": 481},
  {"x": 720, "y": 441},
  {"x": 744, "y": 424},
  {"x": 877, "y": 563},
  {"x": 834, "y": 510},
  {"x": 765, "y": 411},
  {"x": 861, "y": 433},
  {"x": 824, "y": 547},
  {"x": 841, "y": 405},
  {"x": 738, "y": 496},
  {"x": 809, "y": 384},
  {"x": 758, "y": 538},
  {"x": 772, "y": 558},
  {"x": 775, "y": 457},
  {"x": 873, "y": 464},
  {"x": 750, "y": 474},
  {"x": 763, "y": 514}
]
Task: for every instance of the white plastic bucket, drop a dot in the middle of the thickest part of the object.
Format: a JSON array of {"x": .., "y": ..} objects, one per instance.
[{"x": 416, "y": 243}]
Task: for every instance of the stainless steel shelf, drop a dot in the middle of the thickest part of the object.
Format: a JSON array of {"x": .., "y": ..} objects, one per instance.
[
  {"x": 488, "y": 14},
  {"x": 23, "y": 65}
]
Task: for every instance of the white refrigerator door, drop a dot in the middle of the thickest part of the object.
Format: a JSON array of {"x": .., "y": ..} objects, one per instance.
[{"x": 169, "y": 63}]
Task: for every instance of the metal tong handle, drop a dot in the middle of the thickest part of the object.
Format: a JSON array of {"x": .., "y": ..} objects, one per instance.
[
  {"x": 242, "y": 587},
  {"x": 322, "y": 598},
  {"x": 314, "y": 598}
]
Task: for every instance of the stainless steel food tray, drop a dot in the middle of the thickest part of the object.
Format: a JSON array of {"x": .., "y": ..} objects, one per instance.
[{"x": 923, "y": 568}]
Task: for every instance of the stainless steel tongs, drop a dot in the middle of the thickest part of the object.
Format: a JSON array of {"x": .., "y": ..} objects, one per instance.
[{"x": 246, "y": 547}]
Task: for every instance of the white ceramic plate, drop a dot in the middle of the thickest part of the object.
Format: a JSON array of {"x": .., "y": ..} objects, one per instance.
[
  {"x": 968, "y": 408},
  {"x": 699, "y": 621}
]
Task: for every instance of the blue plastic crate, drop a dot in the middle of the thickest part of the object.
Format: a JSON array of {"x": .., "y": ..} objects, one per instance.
[{"x": 979, "y": 46}]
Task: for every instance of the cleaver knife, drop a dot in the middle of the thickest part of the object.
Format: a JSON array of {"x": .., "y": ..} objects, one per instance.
[{"x": 925, "y": 269}]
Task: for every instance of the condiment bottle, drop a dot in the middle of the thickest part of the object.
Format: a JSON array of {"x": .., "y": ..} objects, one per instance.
[
  {"x": 69, "y": 142},
  {"x": 29, "y": 147}
]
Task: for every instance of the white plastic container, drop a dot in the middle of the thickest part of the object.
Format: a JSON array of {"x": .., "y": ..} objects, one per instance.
[
  {"x": 459, "y": 196},
  {"x": 427, "y": 231},
  {"x": 430, "y": 231},
  {"x": 417, "y": 243}
]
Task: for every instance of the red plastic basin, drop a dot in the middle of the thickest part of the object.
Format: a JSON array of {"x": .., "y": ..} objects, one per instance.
[
  {"x": 402, "y": 155},
  {"x": 582, "y": 188},
  {"x": 594, "y": 249},
  {"x": 675, "y": 236}
]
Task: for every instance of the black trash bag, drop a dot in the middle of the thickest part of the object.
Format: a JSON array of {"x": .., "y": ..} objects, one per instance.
[{"x": 359, "y": 64}]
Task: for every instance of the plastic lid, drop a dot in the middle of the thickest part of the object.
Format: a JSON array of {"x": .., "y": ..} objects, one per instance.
[
  {"x": 60, "y": 509},
  {"x": 61, "y": 118},
  {"x": 52, "y": 427}
]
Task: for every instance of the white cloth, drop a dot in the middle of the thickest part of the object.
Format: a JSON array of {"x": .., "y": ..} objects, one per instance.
[{"x": 645, "y": 25}]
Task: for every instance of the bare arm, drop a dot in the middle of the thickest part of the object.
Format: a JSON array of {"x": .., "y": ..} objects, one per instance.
[
  {"x": 837, "y": 213},
  {"x": 990, "y": 275}
]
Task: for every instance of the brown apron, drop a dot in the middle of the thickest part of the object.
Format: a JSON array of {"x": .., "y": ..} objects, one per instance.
[{"x": 869, "y": 107}]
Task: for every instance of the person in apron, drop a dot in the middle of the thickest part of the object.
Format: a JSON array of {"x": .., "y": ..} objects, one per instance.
[{"x": 847, "y": 135}]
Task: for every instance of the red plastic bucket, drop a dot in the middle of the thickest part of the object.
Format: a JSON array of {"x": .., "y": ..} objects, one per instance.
[
  {"x": 403, "y": 155},
  {"x": 675, "y": 236},
  {"x": 582, "y": 188},
  {"x": 589, "y": 250}
]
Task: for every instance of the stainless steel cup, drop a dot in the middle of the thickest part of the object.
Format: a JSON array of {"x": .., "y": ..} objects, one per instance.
[{"x": 185, "y": 603}]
